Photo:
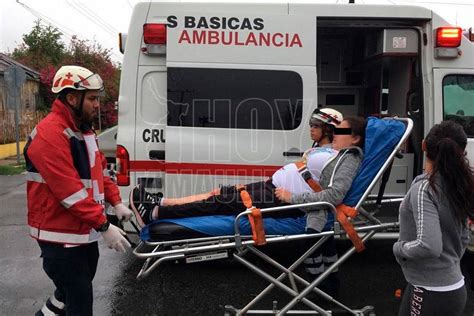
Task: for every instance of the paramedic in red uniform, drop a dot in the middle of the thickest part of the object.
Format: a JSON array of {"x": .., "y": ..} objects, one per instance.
[{"x": 66, "y": 191}]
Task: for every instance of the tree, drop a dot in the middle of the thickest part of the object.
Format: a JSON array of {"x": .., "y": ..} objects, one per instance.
[
  {"x": 43, "y": 51},
  {"x": 40, "y": 47}
]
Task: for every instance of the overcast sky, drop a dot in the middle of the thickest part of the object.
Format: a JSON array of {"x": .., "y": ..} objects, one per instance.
[{"x": 102, "y": 20}]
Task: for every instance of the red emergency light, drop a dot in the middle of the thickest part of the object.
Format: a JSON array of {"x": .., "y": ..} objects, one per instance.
[
  {"x": 154, "y": 33},
  {"x": 122, "y": 166},
  {"x": 448, "y": 36}
]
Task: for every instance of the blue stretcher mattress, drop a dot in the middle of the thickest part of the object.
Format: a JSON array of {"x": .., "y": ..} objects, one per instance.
[{"x": 380, "y": 140}]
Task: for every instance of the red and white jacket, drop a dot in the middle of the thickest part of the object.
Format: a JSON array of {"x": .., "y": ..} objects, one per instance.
[{"x": 67, "y": 182}]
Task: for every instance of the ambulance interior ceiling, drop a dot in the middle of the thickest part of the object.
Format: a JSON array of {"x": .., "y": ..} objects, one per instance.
[{"x": 357, "y": 77}]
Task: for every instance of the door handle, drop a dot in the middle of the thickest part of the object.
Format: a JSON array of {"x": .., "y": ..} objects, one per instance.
[
  {"x": 293, "y": 153},
  {"x": 156, "y": 154}
]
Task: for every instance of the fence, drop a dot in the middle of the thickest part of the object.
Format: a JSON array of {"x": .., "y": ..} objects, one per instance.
[{"x": 27, "y": 121}]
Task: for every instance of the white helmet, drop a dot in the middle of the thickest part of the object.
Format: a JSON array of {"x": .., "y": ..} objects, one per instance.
[
  {"x": 77, "y": 78},
  {"x": 327, "y": 115}
]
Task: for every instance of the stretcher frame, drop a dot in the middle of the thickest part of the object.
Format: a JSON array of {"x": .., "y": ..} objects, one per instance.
[{"x": 238, "y": 245}]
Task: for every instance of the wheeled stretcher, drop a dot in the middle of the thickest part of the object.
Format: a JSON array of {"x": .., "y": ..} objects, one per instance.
[{"x": 218, "y": 237}]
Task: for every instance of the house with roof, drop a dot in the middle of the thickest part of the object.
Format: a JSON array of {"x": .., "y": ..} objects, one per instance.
[
  {"x": 29, "y": 92},
  {"x": 29, "y": 100}
]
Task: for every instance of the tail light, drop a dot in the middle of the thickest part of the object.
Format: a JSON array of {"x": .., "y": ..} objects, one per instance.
[
  {"x": 154, "y": 33},
  {"x": 123, "y": 166},
  {"x": 448, "y": 36}
]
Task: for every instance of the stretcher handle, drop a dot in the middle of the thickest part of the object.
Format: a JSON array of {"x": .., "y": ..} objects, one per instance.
[{"x": 120, "y": 224}]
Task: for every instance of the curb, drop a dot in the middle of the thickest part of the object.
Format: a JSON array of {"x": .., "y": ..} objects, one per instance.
[{"x": 9, "y": 150}]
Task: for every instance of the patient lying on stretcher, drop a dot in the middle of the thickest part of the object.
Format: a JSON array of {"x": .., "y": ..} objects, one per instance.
[{"x": 333, "y": 169}]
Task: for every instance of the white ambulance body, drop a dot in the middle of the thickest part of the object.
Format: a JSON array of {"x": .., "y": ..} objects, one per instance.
[{"x": 219, "y": 93}]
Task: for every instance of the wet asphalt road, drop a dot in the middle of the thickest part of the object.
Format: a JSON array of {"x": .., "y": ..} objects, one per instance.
[{"x": 369, "y": 278}]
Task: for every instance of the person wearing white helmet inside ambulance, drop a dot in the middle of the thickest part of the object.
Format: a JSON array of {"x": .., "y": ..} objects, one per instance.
[
  {"x": 66, "y": 191},
  {"x": 322, "y": 124}
]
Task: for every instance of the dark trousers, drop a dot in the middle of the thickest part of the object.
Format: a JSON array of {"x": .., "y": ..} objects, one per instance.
[
  {"x": 418, "y": 301},
  {"x": 229, "y": 203},
  {"x": 320, "y": 260},
  {"x": 467, "y": 264},
  {"x": 72, "y": 271}
]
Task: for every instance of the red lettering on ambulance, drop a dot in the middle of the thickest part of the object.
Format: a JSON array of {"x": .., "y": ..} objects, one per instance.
[
  {"x": 274, "y": 39},
  {"x": 296, "y": 41},
  {"x": 213, "y": 37},
  {"x": 237, "y": 40},
  {"x": 229, "y": 41},
  {"x": 199, "y": 37},
  {"x": 264, "y": 39},
  {"x": 251, "y": 40},
  {"x": 184, "y": 37}
]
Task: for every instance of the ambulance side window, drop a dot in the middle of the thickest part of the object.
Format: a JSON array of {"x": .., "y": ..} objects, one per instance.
[
  {"x": 234, "y": 98},
  {"x": 458, "y": 101}
]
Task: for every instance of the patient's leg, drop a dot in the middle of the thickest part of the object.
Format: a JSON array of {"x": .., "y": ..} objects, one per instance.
[
  {"x": 204, "y": 196},
  {"x": 229, "y": 204},
  {"x": 186, "y": 199}
]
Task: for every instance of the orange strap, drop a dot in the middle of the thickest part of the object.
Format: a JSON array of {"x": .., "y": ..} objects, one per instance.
[
  {"x": 342, "y": 212},
  {"x": 314, "y": 185},
  {"x": 300, "y": 164},
  {"x": 310, "y": 181},
  {"x": 255, "y": 220}
]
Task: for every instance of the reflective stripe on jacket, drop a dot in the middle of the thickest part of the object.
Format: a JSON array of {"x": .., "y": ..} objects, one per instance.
[{"x": 66, "y": 180}]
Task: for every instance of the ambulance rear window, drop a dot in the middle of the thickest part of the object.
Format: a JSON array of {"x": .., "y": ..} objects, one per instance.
[
  {"x": 458, "y": 100},
  {"x": 234, "y": 98}
]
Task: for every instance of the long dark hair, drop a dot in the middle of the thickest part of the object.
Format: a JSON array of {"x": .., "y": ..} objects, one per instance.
[
  {"x": 445, "y": 147},
  {"x": 358, "y": 125}
]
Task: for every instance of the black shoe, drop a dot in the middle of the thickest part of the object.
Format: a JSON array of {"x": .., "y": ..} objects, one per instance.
[
  {"x": 52, "y": 307},
  {"x": 142, "y": 204}
]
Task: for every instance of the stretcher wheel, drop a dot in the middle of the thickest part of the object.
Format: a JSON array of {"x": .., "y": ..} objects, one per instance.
[{"x": 367, "y": 311}]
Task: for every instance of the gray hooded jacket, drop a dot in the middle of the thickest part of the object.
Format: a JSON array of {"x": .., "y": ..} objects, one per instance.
[
  {"x": 336, "y": 179},
  {"x": 432, "y": 241}
]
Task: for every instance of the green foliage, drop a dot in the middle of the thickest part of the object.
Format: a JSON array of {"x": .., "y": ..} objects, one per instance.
[
  {"x": 43, "y": 50},
  {"x": 41, "y": 46},
  {"x": 8, "y": 170}
]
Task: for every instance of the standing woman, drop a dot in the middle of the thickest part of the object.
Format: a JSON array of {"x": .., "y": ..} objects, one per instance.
[{"x": 433, "y": 226}]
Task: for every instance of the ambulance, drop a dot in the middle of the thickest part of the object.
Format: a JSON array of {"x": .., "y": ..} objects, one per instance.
[{"x": 214, "y": 94}]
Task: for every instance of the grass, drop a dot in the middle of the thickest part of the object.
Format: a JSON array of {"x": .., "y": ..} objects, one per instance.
[{"x": 8, "y": 170}]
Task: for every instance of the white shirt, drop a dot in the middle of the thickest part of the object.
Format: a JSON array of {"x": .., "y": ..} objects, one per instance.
[{"x": 290, "y": 179}]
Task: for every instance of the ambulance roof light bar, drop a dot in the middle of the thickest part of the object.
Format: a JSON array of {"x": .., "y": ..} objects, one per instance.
[{"x": 448, "y": 36}]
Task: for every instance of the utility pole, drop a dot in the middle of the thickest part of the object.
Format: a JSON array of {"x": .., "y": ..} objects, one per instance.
[{"x": 15, "y": 76}]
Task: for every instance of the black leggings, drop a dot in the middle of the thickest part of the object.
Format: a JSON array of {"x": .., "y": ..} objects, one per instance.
[
  {"x": 230, "y": 203},
  {"x": 418, "y": 301}
]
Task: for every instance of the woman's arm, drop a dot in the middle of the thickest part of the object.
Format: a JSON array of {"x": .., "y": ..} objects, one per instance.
[
  {"x": 345, "y": 174},
  {"x": 428, "y": 242}
]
